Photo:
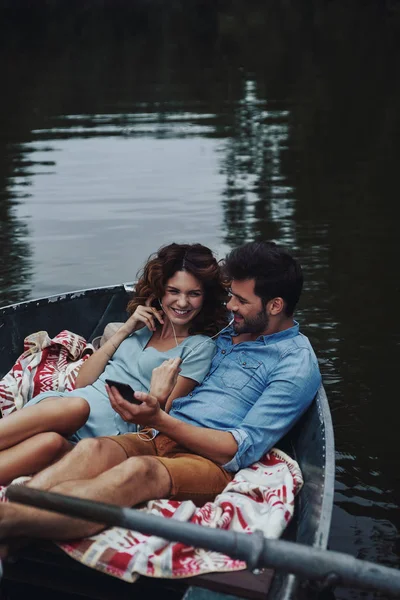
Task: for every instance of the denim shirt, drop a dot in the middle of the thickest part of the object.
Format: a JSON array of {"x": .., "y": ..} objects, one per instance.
[{"x": 255, "y": 390}]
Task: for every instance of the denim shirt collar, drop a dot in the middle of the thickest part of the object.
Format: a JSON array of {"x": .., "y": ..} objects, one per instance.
[{"x": 272, "y": 338}]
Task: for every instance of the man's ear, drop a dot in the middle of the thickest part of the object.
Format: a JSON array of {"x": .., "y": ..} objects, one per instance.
[{"x": 275, "y": 306}]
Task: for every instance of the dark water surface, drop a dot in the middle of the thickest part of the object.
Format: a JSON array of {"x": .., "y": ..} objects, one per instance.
[{"x": 125, "y": 126}]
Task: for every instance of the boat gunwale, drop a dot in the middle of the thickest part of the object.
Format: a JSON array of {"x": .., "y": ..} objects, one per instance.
[
  {"x": 65, "y": 296},
  {"x": 285, "y": 585},
  {"x": 322, "y": 534}
]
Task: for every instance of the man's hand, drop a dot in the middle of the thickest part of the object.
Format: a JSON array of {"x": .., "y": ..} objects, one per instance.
[
  {"x": 164, "y": 378},
  {"x": 142, "y": 414}
]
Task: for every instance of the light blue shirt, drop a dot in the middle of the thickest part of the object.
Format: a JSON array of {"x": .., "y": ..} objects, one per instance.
[
  {"x": 133, "y": 363},
  {"x": 255, "y": 390}
]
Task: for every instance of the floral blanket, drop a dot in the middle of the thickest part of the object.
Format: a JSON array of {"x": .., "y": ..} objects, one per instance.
[
  {"x": 46, "y": 364},
  {"x": 259, "y": 497}
]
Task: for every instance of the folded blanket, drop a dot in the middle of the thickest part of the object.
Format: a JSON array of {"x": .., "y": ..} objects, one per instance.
[
  {"x": 46, "y": 364},
  {"x": 260, "y": 497}
]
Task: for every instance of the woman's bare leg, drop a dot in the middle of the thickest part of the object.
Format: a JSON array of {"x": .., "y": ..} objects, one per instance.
[
  {"x": 32, "y": 455},
  {"x": 60, "y": 415}
]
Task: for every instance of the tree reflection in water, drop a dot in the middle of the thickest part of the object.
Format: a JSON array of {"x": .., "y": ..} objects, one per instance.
[{"x": 258, "y": 200}]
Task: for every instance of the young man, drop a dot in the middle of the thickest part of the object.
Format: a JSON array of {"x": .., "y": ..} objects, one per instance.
[{"x": 263, "y": 377}]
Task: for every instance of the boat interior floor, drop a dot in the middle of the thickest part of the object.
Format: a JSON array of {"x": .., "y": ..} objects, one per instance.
[{"x": 46, "y": 566}]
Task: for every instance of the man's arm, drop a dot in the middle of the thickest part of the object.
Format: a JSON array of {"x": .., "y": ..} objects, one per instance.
[
  {"x": 290, "y": 390},
  {"x": 218, "y": 446}
]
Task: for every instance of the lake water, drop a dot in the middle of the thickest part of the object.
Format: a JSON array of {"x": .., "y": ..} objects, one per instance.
[{"x": 222, "y": 123}]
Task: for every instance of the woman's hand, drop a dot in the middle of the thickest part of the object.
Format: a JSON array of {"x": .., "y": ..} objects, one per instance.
[
  {"x": 164, "y": 378},
  {"x": 144, "y": 316},
  {"x": 142, "y": 414}
]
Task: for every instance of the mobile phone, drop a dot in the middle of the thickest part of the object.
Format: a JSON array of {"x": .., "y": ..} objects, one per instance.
[{"x": 125, "y": 390}]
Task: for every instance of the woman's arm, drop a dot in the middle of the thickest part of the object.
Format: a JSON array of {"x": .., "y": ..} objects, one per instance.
[
  {"x": 193, "y": 369},
  {"x": 183, "y": 387},
  {"x": 166, "y": 384},
  {"x": 94, "y": 366}
]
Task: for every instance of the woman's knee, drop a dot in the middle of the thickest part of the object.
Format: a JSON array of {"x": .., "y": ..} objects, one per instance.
[
  {"x": 78, "y": 406},
  {"x": 73, "y": 414},
  {"x": 69, "y": 414}
]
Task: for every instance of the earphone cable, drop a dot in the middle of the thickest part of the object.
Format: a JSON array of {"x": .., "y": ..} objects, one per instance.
[{"x": 207, "y": 340}]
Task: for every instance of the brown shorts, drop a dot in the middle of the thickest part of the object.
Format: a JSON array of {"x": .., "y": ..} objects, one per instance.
[{"x": 193, "y": 477}]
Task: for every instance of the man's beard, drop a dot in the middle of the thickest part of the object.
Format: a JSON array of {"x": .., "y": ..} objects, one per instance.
[{"x": 256, "y": 324}]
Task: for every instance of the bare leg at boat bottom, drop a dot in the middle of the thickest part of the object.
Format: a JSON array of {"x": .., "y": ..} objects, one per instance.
[
  {"x": 61, "y": 416},
  {"x": 133, "y": 481}
]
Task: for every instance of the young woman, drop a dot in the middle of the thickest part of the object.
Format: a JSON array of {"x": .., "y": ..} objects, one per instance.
[{"x": 177, "y": 307}]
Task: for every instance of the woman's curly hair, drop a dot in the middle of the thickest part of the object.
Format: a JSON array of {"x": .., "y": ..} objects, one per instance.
[{"x": 199, "y": 261}]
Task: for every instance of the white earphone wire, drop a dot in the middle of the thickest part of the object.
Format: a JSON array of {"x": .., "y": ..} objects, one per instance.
[
  {"x": 201, "y": 343},
  {"x": 207, "y": 340}
]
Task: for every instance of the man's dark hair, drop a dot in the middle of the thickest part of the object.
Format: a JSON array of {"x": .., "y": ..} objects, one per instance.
[{"x": 276, "y": 273}]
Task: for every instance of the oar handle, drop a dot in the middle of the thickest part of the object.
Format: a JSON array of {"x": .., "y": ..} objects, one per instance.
[{"x": 255, "y": 549}]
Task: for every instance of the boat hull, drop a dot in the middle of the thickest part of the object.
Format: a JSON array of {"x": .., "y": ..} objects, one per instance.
[{"x": 311, "y": 442}]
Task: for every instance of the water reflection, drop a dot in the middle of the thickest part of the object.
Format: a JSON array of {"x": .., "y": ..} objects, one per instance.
[
  {"x": 15, "y": 266},
  {"x": 259, "y": 201},
  {"x": 141, "y": 124},
  {"x": 100, "y": 210}
]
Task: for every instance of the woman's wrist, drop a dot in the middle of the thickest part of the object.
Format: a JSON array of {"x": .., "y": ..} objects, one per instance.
[
  {"x": 119, "y": 336},
  {"x": 161, "y": 398},
  {"x": 130, "y": 326},
  {"x": 112, "y": 345}
]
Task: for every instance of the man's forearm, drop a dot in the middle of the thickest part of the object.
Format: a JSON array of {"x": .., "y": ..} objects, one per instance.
[{"x": 218, "y": 446}]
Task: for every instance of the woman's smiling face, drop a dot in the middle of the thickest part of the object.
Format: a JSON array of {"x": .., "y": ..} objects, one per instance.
[{"x": 183, "y": 298}]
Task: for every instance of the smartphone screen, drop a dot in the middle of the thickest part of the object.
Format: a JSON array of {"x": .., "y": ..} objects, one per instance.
[{"x": 125, "y": 390}]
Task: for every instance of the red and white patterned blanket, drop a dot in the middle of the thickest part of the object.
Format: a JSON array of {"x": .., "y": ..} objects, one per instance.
[
  {"x": 46, "y": 364},
  {"x": 259, "y": 497}
]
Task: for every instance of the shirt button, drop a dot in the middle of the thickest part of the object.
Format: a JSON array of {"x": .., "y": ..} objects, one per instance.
[
  {"x": 191, "y": 394},
  {"x": 223, "y": 351},
  {"x": 244, "y": 363}
]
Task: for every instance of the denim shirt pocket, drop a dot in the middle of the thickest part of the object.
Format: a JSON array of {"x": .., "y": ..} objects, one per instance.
[{"x": 239, "y": 371}]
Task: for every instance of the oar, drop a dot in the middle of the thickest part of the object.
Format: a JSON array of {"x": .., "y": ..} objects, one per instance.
[{"x": 255, "y": 549}]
